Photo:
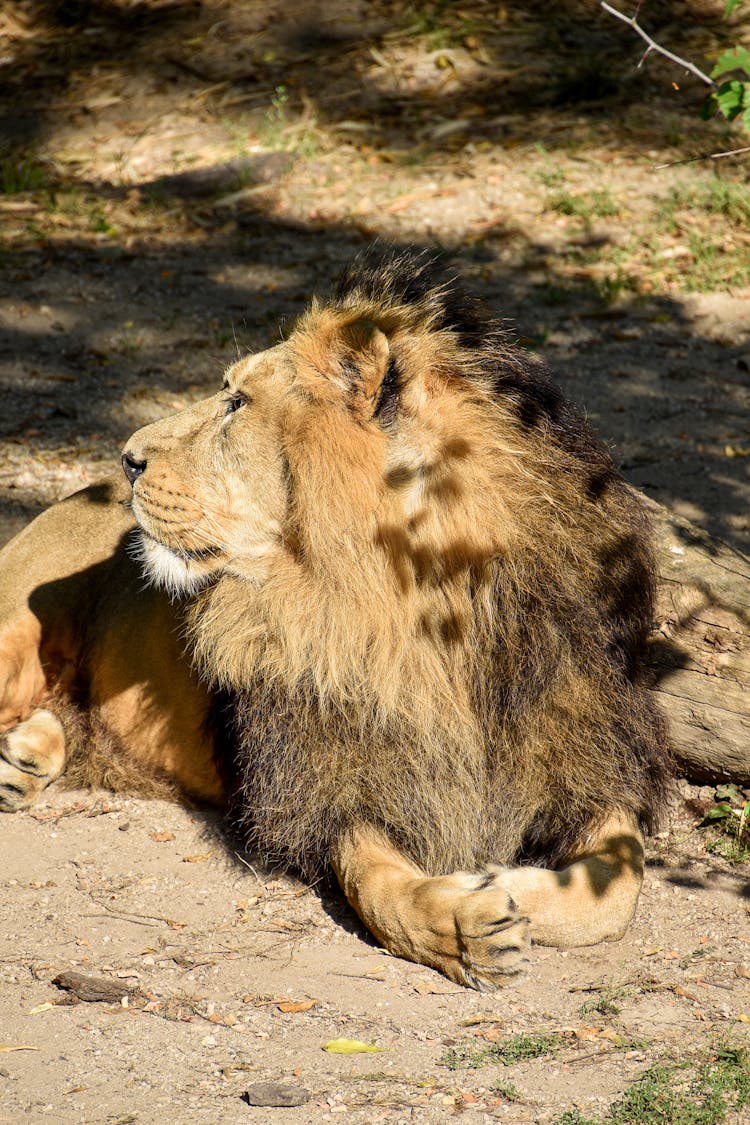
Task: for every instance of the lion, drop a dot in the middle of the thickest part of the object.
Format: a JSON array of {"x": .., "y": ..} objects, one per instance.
[{"x": 394, "y": 619}]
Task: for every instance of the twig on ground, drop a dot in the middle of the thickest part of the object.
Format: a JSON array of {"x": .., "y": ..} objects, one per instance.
[{"x": 703, "y": 156}]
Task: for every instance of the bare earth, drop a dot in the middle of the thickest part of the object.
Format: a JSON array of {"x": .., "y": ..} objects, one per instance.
[{"x": 128, "y": 279}]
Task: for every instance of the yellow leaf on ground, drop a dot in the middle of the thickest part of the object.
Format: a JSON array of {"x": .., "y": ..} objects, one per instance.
[
  {"x": 17, "y": 1047},
  {"x": 45, "y": 1007},
  {"x": 349, "y": 1047}
]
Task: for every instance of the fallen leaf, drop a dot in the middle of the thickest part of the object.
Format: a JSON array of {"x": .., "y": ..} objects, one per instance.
[
  {"x": 683, "y": 994},
  {"x": 349, "y": 1047},
  {"x": 45, "y": 1007},
  {"x": 162, "y": 837},
  {"x": 197, "y": 858},
  {"x": 5, "y": 1047},
  {"x": 296, "y": 1005}
]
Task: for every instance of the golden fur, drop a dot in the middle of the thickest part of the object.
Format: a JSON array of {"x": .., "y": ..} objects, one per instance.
[
  {"x": 418, "y": 592},
  {"x": 449, "y": 604}
]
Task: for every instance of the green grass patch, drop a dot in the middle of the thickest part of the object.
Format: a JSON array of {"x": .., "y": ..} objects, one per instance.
[
  {"x": 20, "y": 174},
  {"x": 585, "y": 206},
  {"x": 507, "y": 1091},
  {"x": 692, "y": 1094},
  {"x": 604, "y": 1003},
  {"x": 516, "y": 1048},
  {"x": 721, "y": 198}
]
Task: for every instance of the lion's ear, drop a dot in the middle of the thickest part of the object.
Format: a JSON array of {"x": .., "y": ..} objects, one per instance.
[{"x": 366, "y": 351}]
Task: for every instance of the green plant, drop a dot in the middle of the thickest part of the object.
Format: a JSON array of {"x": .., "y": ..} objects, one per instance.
[
  {"x": 21, "y": 174},
  {"x": 612, "y": 286},
  {"x": 714, "y": 197},
  {"x": 278, "y": 131},
  {"x": 585, "y": 205},
  {"x": 507, "y": 1091},
  {"x": 670, "y": 1095},
  {"x": 275, "y": 120},
  {"x": 516, "y": 1048},
  {"x": 732, "y": 98},
  {"x": 728, "y": 822},
  {"x": 604, "y": 1003}
]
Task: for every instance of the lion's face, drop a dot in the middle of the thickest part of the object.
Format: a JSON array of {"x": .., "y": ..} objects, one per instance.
[
  {"x": 296, "y": 457},
  {"x": 209, "y": 488}
]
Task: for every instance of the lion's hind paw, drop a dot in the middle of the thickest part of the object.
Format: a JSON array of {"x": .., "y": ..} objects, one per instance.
[
  {"x": 492, "y": 934},
  {"x": 32, "y": 755}
]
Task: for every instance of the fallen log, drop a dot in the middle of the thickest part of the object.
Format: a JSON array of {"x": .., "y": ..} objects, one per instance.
[{"x": 700, "y": 650}]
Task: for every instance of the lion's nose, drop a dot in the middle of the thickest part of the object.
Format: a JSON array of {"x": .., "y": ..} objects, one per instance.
[{"x": 132, "y": 467}]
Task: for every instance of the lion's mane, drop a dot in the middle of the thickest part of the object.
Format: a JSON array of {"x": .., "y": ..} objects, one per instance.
[{"x": 463, "y": 670}]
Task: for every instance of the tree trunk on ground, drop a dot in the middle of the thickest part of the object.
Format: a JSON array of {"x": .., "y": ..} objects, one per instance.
[{"x": 701, "y": 650}]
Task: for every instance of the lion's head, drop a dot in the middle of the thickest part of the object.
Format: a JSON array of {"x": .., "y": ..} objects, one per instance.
[{"x": 418, "y": 576}]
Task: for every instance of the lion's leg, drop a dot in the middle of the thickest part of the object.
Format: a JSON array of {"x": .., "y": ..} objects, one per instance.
[
  {"x": 475, "y": 928},
  {"x": 32, "y": 754},
  {"x": 593, "y": 898},
  {"x": 465, "y": 925}
]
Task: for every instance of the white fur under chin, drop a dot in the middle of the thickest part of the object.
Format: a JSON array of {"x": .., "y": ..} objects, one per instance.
[{"x": 166, "y": 570}]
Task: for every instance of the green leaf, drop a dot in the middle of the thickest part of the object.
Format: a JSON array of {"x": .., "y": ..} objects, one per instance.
[
  {"x": 349, "y": 1047},
  {"x": 718, "y": 812},
  {"x": 736, "y": 59},
  {"x": 730, "y": 98},
  {"x": 726, "y": 792},
  {"x": 731, "y": 5}
]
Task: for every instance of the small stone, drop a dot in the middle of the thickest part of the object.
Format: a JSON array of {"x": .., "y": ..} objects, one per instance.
[{"x": 275, "y": 1094}]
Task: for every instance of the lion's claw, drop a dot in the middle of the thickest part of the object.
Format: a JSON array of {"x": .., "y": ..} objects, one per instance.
[
  {"x": 492, "y": 934},
  {"x": 32, "y": 755}
]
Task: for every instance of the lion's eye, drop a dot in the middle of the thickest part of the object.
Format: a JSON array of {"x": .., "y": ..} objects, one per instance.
[{"x": 234, "y": 402}]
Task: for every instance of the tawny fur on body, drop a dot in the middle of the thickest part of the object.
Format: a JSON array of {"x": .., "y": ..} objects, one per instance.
[{"x": 415, "y": 595}]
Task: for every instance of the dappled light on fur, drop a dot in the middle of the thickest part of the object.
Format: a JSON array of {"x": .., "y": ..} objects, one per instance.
[
  {"x": 453, "y": 615},
  {"x": 395, "y": 614}
]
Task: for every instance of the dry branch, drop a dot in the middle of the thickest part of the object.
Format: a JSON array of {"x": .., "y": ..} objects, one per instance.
[{"x": 652, "y": 45}]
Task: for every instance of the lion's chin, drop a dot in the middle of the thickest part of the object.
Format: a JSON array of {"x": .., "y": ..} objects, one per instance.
[{"x": 181, "y": 575}]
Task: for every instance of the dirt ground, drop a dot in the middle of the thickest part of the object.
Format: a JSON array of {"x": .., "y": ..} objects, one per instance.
[{"x": 177, "y": 178}]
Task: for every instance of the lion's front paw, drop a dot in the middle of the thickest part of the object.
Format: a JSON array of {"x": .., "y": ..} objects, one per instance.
[
  {"x": 492, "y": 935},
  {"x": 31, "y": 756}
]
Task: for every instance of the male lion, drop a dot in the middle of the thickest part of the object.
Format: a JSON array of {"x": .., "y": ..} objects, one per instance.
[{"x": 397, "y": 609}]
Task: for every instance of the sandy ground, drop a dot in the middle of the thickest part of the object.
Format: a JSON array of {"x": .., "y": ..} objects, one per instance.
[{"x": 118, "y": 304}]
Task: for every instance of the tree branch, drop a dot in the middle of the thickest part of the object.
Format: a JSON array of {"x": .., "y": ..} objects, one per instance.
[
  {"x": 654, "y": 46},
  {"x": 703, "y": 156}
]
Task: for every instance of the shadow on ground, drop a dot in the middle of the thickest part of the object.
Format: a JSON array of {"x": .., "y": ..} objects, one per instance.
[
  {"x": 108, "y": 339},
  {"x": 495, "y": 72}
]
